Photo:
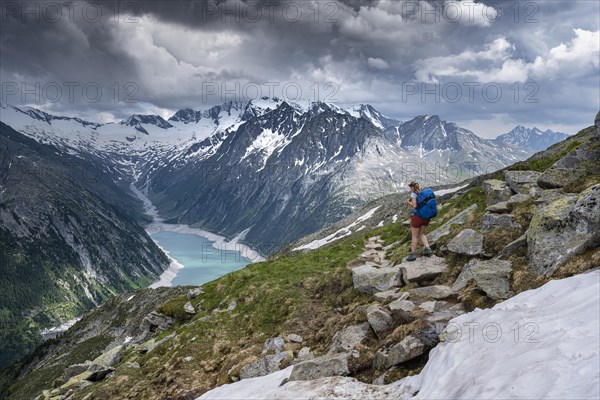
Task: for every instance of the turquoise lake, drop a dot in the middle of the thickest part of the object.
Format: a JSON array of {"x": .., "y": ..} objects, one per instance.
[{"x": 202, "y": 262}]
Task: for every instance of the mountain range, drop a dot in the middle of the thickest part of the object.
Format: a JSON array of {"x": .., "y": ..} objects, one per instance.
[
  {"x": 531, "y": 139},
  {"x": 271, "y": 168}
]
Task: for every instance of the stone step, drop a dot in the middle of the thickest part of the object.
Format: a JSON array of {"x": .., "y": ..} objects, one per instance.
[
  {"x": 423, "y": 269},
  {"x": 368, "y": 279}
]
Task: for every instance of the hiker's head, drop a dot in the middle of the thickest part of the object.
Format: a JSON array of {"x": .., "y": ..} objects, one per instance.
[{"x": 414, "y": 186}]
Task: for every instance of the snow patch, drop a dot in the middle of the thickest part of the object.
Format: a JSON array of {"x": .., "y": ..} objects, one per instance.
[{"x": 338, "y": 234}]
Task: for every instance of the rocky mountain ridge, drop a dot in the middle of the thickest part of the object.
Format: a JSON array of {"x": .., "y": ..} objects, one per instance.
[{"x": 532, "y": 139}]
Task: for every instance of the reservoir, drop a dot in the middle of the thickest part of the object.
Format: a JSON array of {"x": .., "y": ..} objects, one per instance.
[{"x": 202, "y": 261}]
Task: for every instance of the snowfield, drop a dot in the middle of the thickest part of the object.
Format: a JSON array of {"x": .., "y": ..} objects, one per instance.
[{"x": 540, "y": 344}]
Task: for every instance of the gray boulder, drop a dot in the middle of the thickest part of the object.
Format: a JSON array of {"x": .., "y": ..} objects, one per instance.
[
  {"x": 563, "y": 229},
  {"x": 347, "y": 339},
  {"x": 431, "y": 306},
  {"x": 517, "y": 199},
  {"x": 273, "y": 345},
  {"x": 499, "y": 208},
  {"x": 495, "y": 221},
  {"x": 467, "y": 242},
  {"x": 491, "y": 276},
  {"x": 97, "y": 372},
  {"x": 379, "y": 319},
  {"x": 522, "y": 181},
  {"x": 597, "y": 123},
  {"x": 110, "y": 358},
  {"x": 458, "y": 219},
  {"x": 392, "y": 294},
  {"x": 195, "y": 292},
  {"x": 496, "y": 191},
  {"x": 189, "y": 308},
  {"x": 156, "y": 322},
  {"x": 550, "y": 195},
  {"x": 368, "y": 279},
  {"x": 571, "y": 167},
  {"x": 436, "y": 292},
  {"x": 402, "y": 310},
  {"x": 424, "y": 269},
  {"x": 321, "y": 367},
  {"x": 265, "y": 366},
  {"x": 513, "y": 247},
  {"x": 292, "y": 337},
  {"x": 409, "y": 348},
  {"x": 75, "y": 370}
]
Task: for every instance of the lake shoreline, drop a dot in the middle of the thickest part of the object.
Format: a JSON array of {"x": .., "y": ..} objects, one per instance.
[{"x": 218, "y": 242}]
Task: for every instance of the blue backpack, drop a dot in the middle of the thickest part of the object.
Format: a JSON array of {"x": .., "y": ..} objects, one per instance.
[{"x": 426, "y": 204}]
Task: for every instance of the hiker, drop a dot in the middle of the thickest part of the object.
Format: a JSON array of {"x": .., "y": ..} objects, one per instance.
[{"x": 424, "y": 208}]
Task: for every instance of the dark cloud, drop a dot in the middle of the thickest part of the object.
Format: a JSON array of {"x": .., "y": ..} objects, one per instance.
[{"x": 165, "y": 54}]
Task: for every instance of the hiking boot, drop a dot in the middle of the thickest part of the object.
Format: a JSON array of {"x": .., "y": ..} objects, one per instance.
[
  {"x": 411, "y": 257},
  {"x": 427, "y": 252}
]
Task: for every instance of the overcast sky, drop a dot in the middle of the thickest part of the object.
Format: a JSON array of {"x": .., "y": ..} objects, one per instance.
[{"x": 488, "y": 66}]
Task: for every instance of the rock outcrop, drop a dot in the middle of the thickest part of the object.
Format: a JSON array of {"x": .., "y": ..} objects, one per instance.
[
  {"x": 521, "y": 182},
  {"x": 467, "y": 242},
  {"x": 422, "y": 270},
  {"x": 496, "y": 191},
  {"x": 493, "y": 221},
  {"x": 370, "y": 279},
  {"x": 491, "y": 276},
  {"x": 266, "y": 365},
  {"x": 563, "y": 229},
  {"x": 458, "y": 219},
  {"x": 347, "y": 339},
  {"x": 321, "y": 367}
]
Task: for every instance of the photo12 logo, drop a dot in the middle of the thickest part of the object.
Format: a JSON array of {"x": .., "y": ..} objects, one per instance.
[
  {"x": 490, "y": 332},
  {"x": 68, "y": 92},
  {"x": 203, "y": 11},
  {"x": 471, "y": 92}
]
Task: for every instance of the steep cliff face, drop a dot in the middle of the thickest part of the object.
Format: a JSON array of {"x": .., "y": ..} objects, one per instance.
[{"x": 66, "y": 245}]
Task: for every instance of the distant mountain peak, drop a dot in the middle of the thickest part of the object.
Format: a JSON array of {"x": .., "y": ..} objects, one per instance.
[{"x": 532, "y": 139}]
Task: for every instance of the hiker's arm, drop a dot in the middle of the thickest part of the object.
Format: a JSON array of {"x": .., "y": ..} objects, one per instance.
[{"x": 412, "y": 202}]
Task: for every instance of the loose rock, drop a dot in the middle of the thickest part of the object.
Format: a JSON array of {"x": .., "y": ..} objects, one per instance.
[
  {"x": 321, "y": 367},
  {"x": 495, "y": 221},
  {"x": 424, "y": 269},
  {"x": 371, "y": 280},
  {"x": 522, "y": 181},
  {"x": 294, "y": 338},
  {"x": 189, "y": 308},
  {"x": 347, "y": 339},
  {"x": 436, "y": 292},
  {"x": 265, "y": 366},
  {"x": 491, "y": 276},
  {"x": 496, "y": 191},
  {"x": 274, "y": 345},
  {"x": 467, "y": 242},
  {"x": 379, "y": 319},
  {"x": 458, "y": 219}
]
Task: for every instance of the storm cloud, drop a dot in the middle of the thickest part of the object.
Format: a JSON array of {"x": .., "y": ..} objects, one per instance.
[{"x": 488, "y": 66}]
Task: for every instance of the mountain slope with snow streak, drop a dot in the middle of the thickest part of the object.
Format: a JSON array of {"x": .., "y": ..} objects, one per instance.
[{"x": 541, "y": 344}]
